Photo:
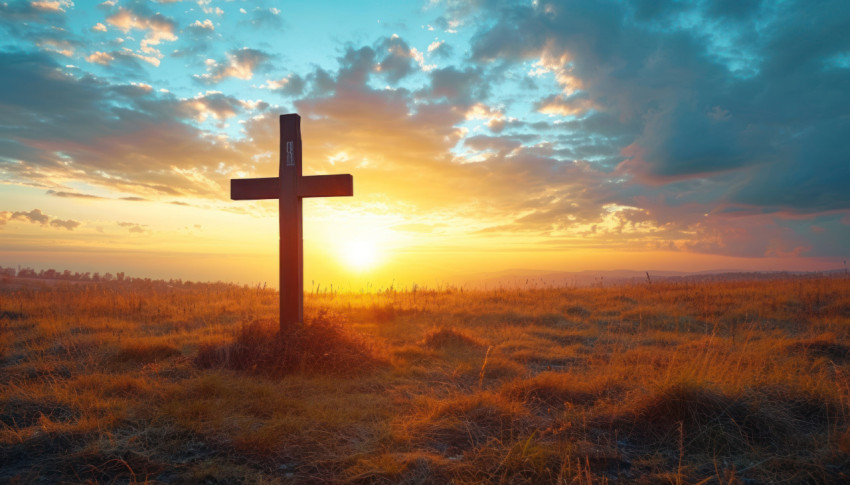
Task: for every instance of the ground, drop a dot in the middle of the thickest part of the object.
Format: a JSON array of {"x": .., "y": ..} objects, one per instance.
[{"x": 682, "y": 382}]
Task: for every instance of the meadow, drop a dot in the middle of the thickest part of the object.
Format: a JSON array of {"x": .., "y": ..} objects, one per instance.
[{"x": 698, "y": 382}]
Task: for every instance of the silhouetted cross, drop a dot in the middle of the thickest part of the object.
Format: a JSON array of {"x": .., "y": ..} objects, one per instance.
[{"x": 289, "y": 189}]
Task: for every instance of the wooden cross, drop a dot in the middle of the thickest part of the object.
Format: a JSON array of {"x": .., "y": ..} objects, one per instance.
[{"x": 289, "y": 188}]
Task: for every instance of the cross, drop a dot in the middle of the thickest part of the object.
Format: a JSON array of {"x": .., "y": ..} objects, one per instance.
[{"x": 289, "y": 188}]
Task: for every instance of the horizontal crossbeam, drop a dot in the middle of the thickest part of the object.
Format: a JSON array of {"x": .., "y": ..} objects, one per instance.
[
  {"x": 326, "y": 186},
  {"x": 309, "y": 186},
  {"x": 252, "y": 189}
]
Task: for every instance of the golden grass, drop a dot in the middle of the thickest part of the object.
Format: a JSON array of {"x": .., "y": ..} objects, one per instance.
[{"x": 711, "y": 382}]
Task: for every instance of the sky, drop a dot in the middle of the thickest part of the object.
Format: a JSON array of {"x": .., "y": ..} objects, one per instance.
[{"x": 482, "y": 136}]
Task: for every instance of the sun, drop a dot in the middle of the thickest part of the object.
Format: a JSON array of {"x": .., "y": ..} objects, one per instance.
[{"x": 360, "y": 254}]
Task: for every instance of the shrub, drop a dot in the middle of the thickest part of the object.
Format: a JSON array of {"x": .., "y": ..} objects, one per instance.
[{"x": 321, "y": 345}]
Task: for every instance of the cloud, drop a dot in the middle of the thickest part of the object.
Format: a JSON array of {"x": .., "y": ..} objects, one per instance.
[
  {"x": 158, "y": 27},
  {"x": 440, "y": 49},
  {"x": 133, "y": 227},
  {"x": 265, "y": 18},
  {"x": 72, "y": 195},
  {"x": 202, "y": 37},
  {"x": 687, "y": 107},
  {"x": 561, "y": 105},
  {"x": 103, "y": 58},
  {"x": 240, "y": 64},
  {"x": 397, "y": 58},
  {"x": 451, "y": 25},
  {"x": 35, "y": 216},
  {"x": 199, "y": 26},
  {"x": 462, "y": 87},
  {"x": 67, "y": 224},
  {"x": 496, "y": 120},
  {"x": 291, "y": 85},
  {"x": 77, "y": 195},
  {"x": 401, "y": 151},
  {"x": 204, "y": 4},
  {"x": 18, "y": 18},
  {"x": 700, "y": 113},
  {"x": 128, "y": 138},
  {"x": 65, "y": 47},
  {"x": 124, "y": 58},
  {"x": 52, "y": 5},
  {"x": 43, "y": 26},
  {"x": 500, "y": 144},
  {"x": 214, "y": 104}
]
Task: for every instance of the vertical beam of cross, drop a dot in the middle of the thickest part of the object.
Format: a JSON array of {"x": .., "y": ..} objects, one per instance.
[
  {"x": 289, "y": 188},
  {"x": 291, "y": 228}
]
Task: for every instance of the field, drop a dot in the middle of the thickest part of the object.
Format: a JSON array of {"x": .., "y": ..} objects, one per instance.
[{"x": 668, "y": 382}]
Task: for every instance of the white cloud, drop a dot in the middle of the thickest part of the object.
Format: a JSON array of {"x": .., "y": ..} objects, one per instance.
[
  {"x": 159, "y": 28},
  {"x": 435, "y": 45},
  {"x": 103, "y": 58},
  {"x": 271, "y": 84},
  {"x": 143, "y": 86},
  {"x": 60, "y": 46},
  {"x": 206, "y": 24},
  {"x": 207, "y": 9},
  {"x": 239, "y": 64},
  {"x": 495, "y": 117},
  {"x": 53, "y": 6},
  {"x": 420, "y": 59}
]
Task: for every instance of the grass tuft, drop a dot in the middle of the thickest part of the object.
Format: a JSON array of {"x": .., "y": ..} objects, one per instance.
[
  {"x": 401, "y": 468},
  {"x": 22, "y": 413},
  {"x": 321, "y": 345},
  {"x": 468, "y": 421},
  {"x": 450, "y": 338},
  {"x": 702, "y": 420},
  {"x": 142, "y": 352},
  {"x": 556, "y": 390},
  {"x": 821, "y": 346}
]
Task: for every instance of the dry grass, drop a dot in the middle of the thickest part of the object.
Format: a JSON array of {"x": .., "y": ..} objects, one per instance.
[
  {"x": 712, "y": 382},
  {"x": 321, "y": 345}
]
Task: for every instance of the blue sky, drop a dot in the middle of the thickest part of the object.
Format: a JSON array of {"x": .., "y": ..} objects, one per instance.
[{"x": 482, "y": 135}]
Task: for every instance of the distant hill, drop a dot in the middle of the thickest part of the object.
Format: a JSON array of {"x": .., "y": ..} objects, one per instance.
[{"x": 527, "y": 278}]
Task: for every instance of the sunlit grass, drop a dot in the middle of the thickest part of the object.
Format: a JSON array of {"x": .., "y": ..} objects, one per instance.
[{"x": 670, "y": 382}]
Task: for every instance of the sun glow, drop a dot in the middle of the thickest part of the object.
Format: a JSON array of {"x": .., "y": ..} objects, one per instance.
[{"x": 359, "y": 254}]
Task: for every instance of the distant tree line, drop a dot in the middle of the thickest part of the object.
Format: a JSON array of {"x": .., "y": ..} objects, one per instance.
[
  {"x": 52, "y": 274},
  {"x": 67, "y": 275}
]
